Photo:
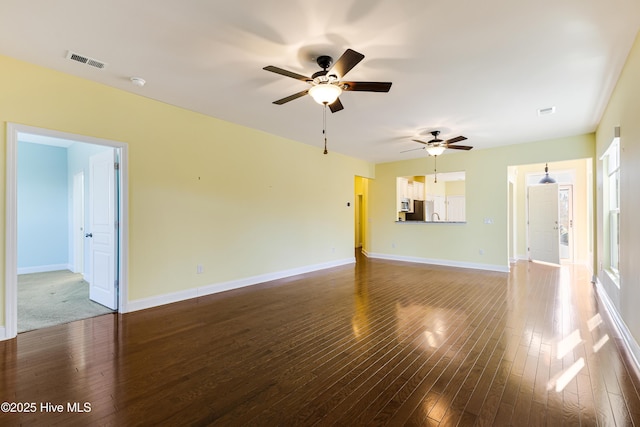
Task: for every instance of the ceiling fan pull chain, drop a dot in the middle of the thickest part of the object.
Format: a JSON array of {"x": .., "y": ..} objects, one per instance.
[
  {"x": 324, "y": 127},
  {"x": 435, "y": 169}
]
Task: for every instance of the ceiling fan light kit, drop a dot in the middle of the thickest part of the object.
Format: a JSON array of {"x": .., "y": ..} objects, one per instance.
[
  {"x": 325, "y": 93},
  {"x": 435, "y": 150}
]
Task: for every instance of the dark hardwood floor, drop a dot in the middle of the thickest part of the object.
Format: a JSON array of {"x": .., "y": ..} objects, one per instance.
[{"x": 376, "y": 343}]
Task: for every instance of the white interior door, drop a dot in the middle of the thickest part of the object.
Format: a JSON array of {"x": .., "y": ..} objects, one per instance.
[
  {"x": 544, "y": 242},
  {"x": 102, "y": 229}
]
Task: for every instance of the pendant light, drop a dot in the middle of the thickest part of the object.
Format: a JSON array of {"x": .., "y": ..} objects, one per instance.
[{"x": 546, "y": 179}]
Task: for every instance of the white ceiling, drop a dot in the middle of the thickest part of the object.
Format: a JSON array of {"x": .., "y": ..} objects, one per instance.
[{"x": 475, "y": 68}]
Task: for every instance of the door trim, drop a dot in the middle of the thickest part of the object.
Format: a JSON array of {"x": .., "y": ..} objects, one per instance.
[
  {"x": 11, "y": 220},
  {"x": 77, "y": 232}
]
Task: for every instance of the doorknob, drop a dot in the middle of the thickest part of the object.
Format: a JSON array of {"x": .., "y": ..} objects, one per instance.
[{"x": 88, "y": 235}]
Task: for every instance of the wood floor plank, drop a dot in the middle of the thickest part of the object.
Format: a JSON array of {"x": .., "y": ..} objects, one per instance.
[{"x": 376, "y": 343}]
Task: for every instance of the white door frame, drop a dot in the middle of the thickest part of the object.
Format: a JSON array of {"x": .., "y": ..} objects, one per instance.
[
  {"x": 77, "y": 222},
  {"x": 11, "y": 253}
]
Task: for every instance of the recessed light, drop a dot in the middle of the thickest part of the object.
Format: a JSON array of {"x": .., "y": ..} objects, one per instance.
[{"x": 546, "y": 111}]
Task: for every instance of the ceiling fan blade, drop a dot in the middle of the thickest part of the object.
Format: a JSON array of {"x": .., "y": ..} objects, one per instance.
[
  {"x": 336, "y": 106},
  {"x": 459, "y": 147},
  {"x": 413, "y": 149},
  {"x": 345, "y": 63},
  {"x": 287, "y": 73},
  {"x": 291, "y": 97},
  {"x": 456, "y": 139},
  {"x": 366, "y": 86},
  {"x": 421, "y": 142}
]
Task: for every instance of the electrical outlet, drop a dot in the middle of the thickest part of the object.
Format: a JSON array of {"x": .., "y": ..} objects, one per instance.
[
  {"x": 481, "y": 251},
  {"x": 199, "y": 269}
]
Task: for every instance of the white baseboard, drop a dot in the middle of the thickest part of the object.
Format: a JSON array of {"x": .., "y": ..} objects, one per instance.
[
  {"x": 3, "y": 333},
  {"x": 442, "y": 262},
  {"x": 144, "y": 303},
  {"x": 43, "y": 268},
  {"x": 628, "y": 340}
]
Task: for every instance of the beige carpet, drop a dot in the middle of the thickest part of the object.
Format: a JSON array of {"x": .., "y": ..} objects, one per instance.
[{"x": 53, "y": 298}]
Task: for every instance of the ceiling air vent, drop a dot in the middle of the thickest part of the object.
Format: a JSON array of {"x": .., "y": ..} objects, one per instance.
[{"x": 85, "y": 60}]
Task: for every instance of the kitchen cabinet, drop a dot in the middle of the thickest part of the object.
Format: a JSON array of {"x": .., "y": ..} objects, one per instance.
[
  {"x": 418, "y": 190},
  {"x": 401, "y": 191},
  {"x": 409, "y": 189}
]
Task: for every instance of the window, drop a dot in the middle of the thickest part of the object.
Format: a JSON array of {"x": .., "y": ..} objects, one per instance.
[{"x": 611, "y": 204}]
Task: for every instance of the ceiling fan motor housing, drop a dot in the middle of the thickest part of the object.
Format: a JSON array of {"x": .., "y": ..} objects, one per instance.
[
  {"x": 435, "y": 134},
  {"x": 324, "y": 61}
]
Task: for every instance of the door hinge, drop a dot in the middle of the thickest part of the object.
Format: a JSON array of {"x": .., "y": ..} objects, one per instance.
[
  {"x": 116, "y": 166},
  {"x": 115, "y": 284}
]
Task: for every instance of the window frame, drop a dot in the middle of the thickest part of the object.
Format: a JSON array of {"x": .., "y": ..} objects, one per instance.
[{"x": 611, "y": 207}]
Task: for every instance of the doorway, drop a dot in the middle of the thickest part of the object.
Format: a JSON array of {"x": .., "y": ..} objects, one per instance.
[
  {"x": 575, "y": 221},
  {"x": 80, "y": 256},
  {"x": 361, "y": 188}
]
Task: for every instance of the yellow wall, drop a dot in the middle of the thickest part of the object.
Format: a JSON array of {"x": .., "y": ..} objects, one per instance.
[
  {"x": 623, "y": 110},
  {"x": 486, "y": 198},
  {"x": 455, "y": 188},
  {"x": 201, "y": 191},
  {"x": 435, "y": 188}
]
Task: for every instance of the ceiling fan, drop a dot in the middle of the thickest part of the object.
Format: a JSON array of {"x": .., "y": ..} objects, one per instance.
[
  {"x": 326, "y": 84},
  {"x": 436, "y": 147}
]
